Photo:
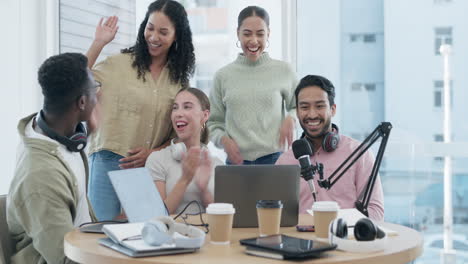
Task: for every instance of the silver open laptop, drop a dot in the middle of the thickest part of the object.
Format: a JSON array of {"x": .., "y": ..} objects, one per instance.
[
  {"x": 244, "y": 185},
  {"x": 137, "y": 194}
]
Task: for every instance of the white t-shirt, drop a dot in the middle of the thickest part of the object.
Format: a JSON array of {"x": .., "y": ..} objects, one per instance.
[
  {"x": 163, "y": 166},
  {"x": 75, "y": 162}
]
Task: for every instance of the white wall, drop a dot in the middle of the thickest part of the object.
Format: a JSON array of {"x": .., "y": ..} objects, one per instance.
[
  {"x": 22, "y": 24},
  {"x": 78, "y": 20}
]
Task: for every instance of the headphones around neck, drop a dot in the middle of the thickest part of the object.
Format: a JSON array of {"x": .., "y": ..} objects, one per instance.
[
  {"x": 75, "y": 143},
  {"x": 369, "y": 237},
  {"x": 177, "y": 149},
  {"x": 330, "y": 140},
  {"x": 162, "y": 231}
]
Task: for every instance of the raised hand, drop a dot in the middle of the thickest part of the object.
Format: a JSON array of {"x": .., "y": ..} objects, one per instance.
[{"x": 105, "y": 32}]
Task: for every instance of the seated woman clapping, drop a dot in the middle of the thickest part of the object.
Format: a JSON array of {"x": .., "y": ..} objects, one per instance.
[{"x": 183, "y": 171}]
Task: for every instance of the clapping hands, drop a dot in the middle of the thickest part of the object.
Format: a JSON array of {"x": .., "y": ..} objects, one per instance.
[{"x": 197, "y": 166}]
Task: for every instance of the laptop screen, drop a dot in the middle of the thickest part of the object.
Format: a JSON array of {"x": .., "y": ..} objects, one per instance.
[
  {"x": 138, "y": 194},
  {"x": 244, "y": 185}
]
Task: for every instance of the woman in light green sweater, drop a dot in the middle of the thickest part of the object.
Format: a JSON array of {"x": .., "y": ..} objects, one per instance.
[{"x": 253, "y": 107}]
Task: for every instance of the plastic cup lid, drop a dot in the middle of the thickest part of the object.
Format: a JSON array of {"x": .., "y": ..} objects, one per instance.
[
  {"x": 269, "y": 204},
  {"x": 220, "y": 208},
  {"x": 325, "y": 206}
]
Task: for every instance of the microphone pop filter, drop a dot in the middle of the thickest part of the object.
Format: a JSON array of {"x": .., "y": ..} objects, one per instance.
[{"x": 301, "y": 147}]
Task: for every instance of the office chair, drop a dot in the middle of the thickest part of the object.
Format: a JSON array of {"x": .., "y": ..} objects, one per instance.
[{"x": 5, "y": 238}]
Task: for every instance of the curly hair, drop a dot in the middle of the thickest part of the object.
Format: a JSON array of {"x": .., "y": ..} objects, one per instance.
[
  {"x": 181, "y": 56},
  {"x": 63, "y": 78}
]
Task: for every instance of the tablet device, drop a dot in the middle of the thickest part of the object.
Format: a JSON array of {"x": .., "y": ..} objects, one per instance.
[{"x": 289, "y": 247}]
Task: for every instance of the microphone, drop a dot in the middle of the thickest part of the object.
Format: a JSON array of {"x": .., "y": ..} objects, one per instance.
[{"x": 302, "y": 152}]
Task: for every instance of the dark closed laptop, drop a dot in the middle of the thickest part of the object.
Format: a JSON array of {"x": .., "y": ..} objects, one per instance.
[{"x": 244, "y": 185}]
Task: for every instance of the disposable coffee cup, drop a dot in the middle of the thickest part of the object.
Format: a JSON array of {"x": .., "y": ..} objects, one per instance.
[
  {"x": 269, "y": 217},
  {"x": 220, "y": 217},
  {"x": 324, "y": 213}
]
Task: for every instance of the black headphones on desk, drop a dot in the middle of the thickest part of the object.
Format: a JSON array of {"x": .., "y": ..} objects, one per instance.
[
  {"x": 75, "y": 143},
  {"x": 368, "y": 236}
]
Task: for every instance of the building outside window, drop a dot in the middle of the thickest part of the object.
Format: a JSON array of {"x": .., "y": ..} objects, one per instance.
[
  {"x": 366, "y": 38},
  {"x": 397, "y": 69},
  {"x": 443, "y": 35},
  {"x": 369, "y": 38},
  {"x": 438, "y": 93},
  {"x": 370, "y": 87},
  {"x": 356, "y": 87}
]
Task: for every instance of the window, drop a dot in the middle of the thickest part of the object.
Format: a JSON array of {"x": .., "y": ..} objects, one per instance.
[
  {"x": 206, "y": 3},
  {"x": 438, "y": 87},
  {"x": 438, "y": 93},
  {"x": 213, "y": 24},
  {"x": 366, "y": 38},
  {"x": 356, "y": 87},
  {"x": 438, "y": 138},
  {"x": 355, "y": 37},
  {"x": 384, "y": 74},
  {"x": 443, "y": 35},
  {"x": 369, "y": 38},
  {"x": 370, "y": 87},
  {"x": 442, "y": 1}
]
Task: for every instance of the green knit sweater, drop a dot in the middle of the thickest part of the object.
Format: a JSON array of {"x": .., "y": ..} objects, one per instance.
[{"x": 249, "y": 101}]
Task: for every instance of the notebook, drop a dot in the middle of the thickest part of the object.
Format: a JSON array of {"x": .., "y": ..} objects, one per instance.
[
  {"x": 137, "y": 194},
  {"x": 244, "y": 185},
  {"x": 143, "y": 253}
]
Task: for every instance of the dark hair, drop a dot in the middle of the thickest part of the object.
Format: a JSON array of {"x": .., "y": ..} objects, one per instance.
[
  {"x": 181, "y": 56},
  {"x": 253, "y": 11},
  {"x": 317, "y": 80},
  {"x": 63, "y": 80},
  {"x": 205, "y": 105}
]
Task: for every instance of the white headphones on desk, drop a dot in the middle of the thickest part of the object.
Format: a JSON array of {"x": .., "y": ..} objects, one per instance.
[
  {"x": 369, "y": 237},
  {"x": 161, "y": 230}
]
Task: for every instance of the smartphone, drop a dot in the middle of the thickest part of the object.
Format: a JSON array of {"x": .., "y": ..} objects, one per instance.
[{"x": 305, "y": 228}]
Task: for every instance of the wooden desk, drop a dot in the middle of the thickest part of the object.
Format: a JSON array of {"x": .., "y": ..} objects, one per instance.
[{"x": 403, "y": 248}]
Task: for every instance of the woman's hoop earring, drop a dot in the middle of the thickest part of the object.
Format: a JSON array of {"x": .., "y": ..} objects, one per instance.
[
  {"x": 268, "y": 44},
  {"x": 175, "y": 46},
  {"x": 238, "y": 44}
]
